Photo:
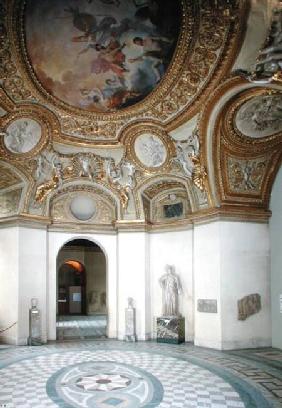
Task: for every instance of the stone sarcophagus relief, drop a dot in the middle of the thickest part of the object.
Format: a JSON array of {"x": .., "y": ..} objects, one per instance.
[{"x": 249, "y": 305}]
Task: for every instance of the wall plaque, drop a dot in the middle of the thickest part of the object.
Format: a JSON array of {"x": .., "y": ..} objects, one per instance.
[{"x": 207, "y": 305}]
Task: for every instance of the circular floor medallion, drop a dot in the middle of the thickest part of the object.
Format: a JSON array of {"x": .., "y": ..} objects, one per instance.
[{"x": 104, "y": 384}]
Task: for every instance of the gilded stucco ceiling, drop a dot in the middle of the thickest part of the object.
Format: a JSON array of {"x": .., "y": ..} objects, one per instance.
[{"x": 132, "y": 106}]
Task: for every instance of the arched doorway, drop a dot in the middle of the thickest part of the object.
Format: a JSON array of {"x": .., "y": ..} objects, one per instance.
[{"x": 81, "y": 291}]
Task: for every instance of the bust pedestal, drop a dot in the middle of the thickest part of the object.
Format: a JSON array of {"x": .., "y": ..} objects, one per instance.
[
  {"x": 171, "y": 329},
  {"x": 130, "y": 319}
]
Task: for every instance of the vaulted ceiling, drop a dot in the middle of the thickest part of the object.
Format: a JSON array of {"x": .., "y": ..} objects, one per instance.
[{"x": 132, "y": 111}]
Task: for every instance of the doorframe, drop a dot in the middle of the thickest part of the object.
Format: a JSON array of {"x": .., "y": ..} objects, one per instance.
[{"x": 108, "y": 245}]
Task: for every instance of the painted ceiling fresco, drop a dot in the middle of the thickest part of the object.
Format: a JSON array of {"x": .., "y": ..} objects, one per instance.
[
  {"x": 101, "y": 55},
  {"x": 116, "y": 106}
]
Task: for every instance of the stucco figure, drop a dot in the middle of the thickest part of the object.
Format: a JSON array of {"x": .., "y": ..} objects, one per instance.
[{"x": 171, "y": 287}]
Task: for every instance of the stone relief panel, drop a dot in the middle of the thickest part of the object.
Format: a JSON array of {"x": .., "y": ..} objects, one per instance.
[
  {"x": 249, "y": 305},
  {"x": 246, "y": 176},
  {"x": 150, "y": 150},
  {"x": 83, "y": 207},
  {"x": 261, "y": 116},
  {"x": 22, "y": 135},
  {"x": 9, "y": 202},
  {"x": 207, "y": 305}
]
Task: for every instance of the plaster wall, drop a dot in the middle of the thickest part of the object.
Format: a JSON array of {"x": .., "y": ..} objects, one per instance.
[
  {"x": 107, "y": 243},
  {"x": 206, "y": 250},
  {"x": 245, "y": 269},
  {"x": 32, "y": 278},
  {"x": 173, "y": 248},
  {"x": 256, "y": 32},
  {"x": 133, "y": 281},
  {"x": 9, "y": 272},
  {"x": 276, "y": 260},
  {"x": 231, "y": 261}
]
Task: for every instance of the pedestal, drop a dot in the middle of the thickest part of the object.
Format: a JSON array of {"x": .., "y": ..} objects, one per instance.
[
  {"x": 171, "y": 329},
  {"x": 130, "y": 331},
  {"x": 34, "y": 327}
]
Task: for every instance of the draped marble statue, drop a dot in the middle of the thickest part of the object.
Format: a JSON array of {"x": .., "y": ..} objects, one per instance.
[{"x": 171, "y": 288}]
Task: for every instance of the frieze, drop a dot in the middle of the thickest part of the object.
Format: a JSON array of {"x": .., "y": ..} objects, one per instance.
[{"x": 246, "y": 176}]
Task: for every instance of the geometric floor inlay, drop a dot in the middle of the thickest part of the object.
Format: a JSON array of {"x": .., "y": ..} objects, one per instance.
[{"x": 113, "y": 374}]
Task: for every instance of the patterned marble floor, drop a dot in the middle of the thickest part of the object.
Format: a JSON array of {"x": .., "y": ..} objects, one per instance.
[{"x": 113, "y": 374}]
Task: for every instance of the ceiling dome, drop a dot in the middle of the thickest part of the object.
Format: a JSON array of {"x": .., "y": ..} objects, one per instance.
[{"x": 101, "y": 56}]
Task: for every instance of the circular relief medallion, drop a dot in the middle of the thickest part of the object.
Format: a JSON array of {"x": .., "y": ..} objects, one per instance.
[
  {"x": 101, "y": 55},
  {"x": 260, "y": 116},
  {"x": 22, "y": 135},
  {"x": 83, "y": 207},
  {"x": 150, "y": 150},
  {"x": 104, "y": 384}
]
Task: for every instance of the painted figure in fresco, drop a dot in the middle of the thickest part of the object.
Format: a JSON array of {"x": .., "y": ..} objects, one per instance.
[
  {"x": 114, "y": 51},
  {"x": 171, "y": 288},
  {"x": 152, "y": 49}
]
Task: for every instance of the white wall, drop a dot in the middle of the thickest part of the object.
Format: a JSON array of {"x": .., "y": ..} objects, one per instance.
[
  {"x": 232, "y": 260},
  {"x": 276, "y": 259},
  {"x": 245, "y": 269},
  {"x": 173, "y": 248},
  {"x": 220, "y": 260},
  {"x": 133, "y": 276},
  {"x": 9, "y": 263},
  {"x": 32, "y": 278},
  {"x": 107, "y": 243},
  {"x": 207, "y": 283}
]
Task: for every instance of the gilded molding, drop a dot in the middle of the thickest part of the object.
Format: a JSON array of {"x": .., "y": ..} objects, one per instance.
[
  {"x": 197, "y": 67},
  {"x": 228, "y": 142}
]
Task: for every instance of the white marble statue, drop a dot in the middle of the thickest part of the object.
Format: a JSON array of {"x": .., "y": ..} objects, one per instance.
[
  {"x": 185, "y": 152},
  {"x": 86, "y": 166},
  {"x": 123, "y": 174},
  {"x": 171, "y": 288},
  {"x": 128, "y": 173}
]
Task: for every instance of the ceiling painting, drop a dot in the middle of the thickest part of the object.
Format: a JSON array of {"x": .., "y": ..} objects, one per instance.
[{"x": 99, "y": 55}]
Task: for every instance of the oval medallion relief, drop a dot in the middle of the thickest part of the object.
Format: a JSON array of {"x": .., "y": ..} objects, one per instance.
[
  {"x": 261, "y": 116},
  {"x": 150, "y": 150},
  {"x": 22, "y": 135}
]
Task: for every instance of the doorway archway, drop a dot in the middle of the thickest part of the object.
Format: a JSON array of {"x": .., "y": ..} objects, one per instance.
[{"x": 81, "y": 291}]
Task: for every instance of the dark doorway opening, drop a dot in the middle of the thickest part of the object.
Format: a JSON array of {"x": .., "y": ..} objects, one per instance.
[{"x": 81, "y": 291}]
